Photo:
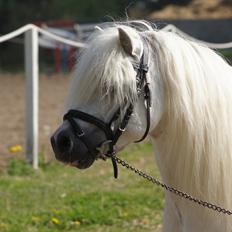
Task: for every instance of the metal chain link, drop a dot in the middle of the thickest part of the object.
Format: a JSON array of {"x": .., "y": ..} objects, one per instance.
[{"x": 171, "y": 189}]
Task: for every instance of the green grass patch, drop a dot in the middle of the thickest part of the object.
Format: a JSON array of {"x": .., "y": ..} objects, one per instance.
[
  {"x": 227, "y": 54},
  {"x": 17, "y": 167},
  {"x": 61, "y": 198}
]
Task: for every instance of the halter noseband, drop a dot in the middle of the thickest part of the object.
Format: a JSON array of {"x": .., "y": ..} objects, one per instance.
[{"x": 112, "y": 135}]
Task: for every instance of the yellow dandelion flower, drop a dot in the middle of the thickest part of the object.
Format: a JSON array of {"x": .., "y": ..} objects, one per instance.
[
  {"x": 55, "y": 221},
  {"x": 15, "y": 148},
  {"x": 77, "y": 222}
]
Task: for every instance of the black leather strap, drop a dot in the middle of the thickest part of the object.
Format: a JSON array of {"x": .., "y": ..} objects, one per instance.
[
  {"x": 91, "y": 119},
  {"x": 144, "y": 84}
]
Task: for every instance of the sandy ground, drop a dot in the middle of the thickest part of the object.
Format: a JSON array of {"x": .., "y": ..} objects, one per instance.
[
  {"x": 52, "y": 92},
  {"x": 196, "y": 9}
]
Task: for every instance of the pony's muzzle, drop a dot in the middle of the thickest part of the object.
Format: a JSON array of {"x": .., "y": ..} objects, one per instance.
[
  {"x": 69, "y": 149},
  {"x": 62, "y": 145}
]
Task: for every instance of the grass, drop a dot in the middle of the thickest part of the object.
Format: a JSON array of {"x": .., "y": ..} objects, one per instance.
[
  {"x": 61, "y": 198},
  {"x": 227, "y": 54}
]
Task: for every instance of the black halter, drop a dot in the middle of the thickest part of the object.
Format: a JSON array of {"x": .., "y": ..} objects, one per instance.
[{"x": 112, "y": 135}]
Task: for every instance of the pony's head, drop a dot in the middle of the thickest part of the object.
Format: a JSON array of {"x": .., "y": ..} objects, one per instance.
[{"x": 103, "y": 91}]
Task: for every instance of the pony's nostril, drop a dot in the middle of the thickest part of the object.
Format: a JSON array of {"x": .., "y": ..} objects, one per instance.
[{"x": 64, "y": 143}]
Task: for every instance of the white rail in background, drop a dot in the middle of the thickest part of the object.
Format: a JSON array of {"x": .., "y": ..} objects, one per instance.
[{"x": 176, "y": 30}]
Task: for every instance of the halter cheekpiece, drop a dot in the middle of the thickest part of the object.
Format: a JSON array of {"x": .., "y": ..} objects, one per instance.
[{"x": 111, "y": 131}]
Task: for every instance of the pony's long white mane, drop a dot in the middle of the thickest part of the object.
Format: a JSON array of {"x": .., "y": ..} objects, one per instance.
[
  {"x": 196, "y": 139},
  {"x": 196, "y": 143},
  {"x": 198, "y": 88}
]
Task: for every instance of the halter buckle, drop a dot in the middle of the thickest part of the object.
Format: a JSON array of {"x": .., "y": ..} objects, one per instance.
[
  {"x": 102, "y": 147},
  {"x": 144, "y": 68},
  {"x": 122, "y": 129},
  {"x": 80, "y": 135}
]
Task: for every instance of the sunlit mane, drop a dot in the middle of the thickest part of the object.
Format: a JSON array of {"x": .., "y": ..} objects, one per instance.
[{"x": 197, "y": 156}]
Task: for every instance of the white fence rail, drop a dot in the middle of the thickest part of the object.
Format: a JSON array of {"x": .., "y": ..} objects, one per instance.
[
  {"x": 32, "y": 73},
  {"x": 174, "y": 29}
]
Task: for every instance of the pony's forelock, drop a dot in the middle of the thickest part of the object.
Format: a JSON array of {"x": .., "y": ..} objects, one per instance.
[{"x": 104, "y": 70}]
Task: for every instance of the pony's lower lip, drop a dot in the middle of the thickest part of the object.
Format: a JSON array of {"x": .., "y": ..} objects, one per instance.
[
  {"x": 82, "y": 164},
  {"x": 74, "y": 164}
]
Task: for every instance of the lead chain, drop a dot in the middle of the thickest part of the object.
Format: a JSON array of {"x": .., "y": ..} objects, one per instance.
[{"x": 171, "y": 189}]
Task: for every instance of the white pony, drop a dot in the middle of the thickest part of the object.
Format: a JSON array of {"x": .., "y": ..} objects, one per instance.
[{"x": 191, "y": 114}]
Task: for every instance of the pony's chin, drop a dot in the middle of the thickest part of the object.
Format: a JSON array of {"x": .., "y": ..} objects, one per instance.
[{"x": 82, "y": 164}]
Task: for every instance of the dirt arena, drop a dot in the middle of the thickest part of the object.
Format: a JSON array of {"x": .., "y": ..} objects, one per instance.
[{"x": 52, "y": 92}]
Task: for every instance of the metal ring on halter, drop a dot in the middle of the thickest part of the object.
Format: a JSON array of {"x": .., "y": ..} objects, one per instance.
[
  {"x": 122, "y": 129},
  {"x": 80, "y": 135}
]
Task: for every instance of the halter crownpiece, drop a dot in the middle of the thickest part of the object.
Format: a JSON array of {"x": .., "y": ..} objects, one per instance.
[{"x": 112, "y": 134}]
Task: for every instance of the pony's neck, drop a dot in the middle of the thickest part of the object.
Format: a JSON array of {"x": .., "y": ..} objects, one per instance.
[
  {"x": 172, "y": 156},
  {"x": 181, "y": 166}
]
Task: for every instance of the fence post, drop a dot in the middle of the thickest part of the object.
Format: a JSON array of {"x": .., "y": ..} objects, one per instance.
[{"x": 31, "y": 67}]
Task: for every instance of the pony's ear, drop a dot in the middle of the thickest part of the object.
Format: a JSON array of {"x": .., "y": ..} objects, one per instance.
[{"x": 131, "y": 43}]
